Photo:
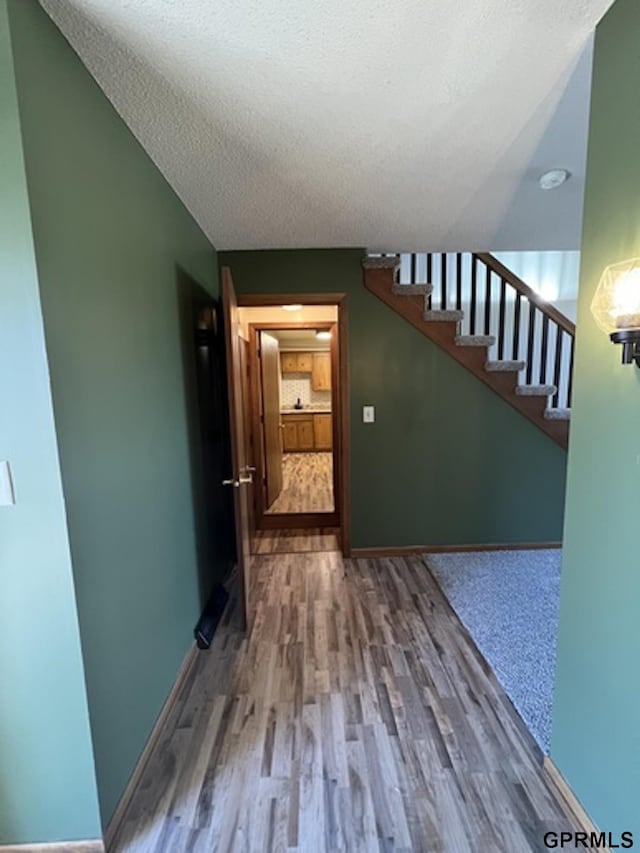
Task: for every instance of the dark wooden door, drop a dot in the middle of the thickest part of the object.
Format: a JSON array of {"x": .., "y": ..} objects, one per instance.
[
  {"x": 249, "y": 440},
  {"x": 270, "y": 376},
  {"x": 239, "y": 478},
  {"x": 208, "y": 433}
]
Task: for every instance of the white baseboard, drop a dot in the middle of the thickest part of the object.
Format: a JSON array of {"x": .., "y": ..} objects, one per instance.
[{"x": 118, "y": 815}]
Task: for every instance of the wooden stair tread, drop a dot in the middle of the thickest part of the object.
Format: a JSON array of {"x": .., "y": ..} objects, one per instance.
[
  {"x": 535, "y": 390},
  {"x": 475, "y": 340},
  {"x": 411, "y": 289},
  {"x": 387, "y": 263},
  {"x": 552, "y": 414},
  {"x": 438, "y": 316},
  {"x": 504, "y": 366},
  {"x": 469, "y": 350}
]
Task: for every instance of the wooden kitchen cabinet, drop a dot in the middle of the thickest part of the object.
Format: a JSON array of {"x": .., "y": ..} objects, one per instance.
[
  {"x": 305, "y": 362},
  {"x": 296, "y": 362},
  {"x": 297, "y": 434},
  {"x": 321, "y": 371},
  {"x": 305, "y": 435},
  {"x": 305, "y": 432},
  {"x": 289, "y": 362},
  {"x": 318, "y": 364},
  {"x": 289, "y": 435},
  {"x": 322, "y": 432}
]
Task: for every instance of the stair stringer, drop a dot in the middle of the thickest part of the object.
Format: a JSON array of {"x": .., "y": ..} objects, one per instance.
[{"x": 379, "y": 279}]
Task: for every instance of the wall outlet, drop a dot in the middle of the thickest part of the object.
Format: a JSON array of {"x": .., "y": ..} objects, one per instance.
[
  {"x": 368, "y": 414},
  {"x": 7, "y": 495}
]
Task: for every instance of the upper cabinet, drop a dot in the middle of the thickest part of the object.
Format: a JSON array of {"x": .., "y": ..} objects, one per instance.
[
  {"x": 318, "y": 364},
  {"x": 321, "y": 371},
  {"x": 289, "y": 362},
  {"x": 296, "y": 362},
  {"x": 305, "y": 362}
]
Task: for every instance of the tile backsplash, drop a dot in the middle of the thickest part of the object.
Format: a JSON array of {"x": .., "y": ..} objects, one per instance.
[{"x": 296, "y": 385}]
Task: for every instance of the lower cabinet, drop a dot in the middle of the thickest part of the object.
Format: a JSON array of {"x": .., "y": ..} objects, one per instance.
[
  {"x": 289, "y": 435},
  {"x": 307, "y": 432},
  {"x": 322, "y": 432},
  {"x": 305, "y": 435}
]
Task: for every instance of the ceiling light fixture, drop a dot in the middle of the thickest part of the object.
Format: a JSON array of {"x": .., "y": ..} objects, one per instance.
[
  {"x": 616, "y": 307},
  {"x": 292, "y": 307},
  {"x": 323, "y": 335},
  {"x": 553, "y": 179}
]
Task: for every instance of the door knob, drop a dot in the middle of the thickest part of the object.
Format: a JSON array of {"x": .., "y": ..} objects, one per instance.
[
  {"x": 234, "y": 483},
  {"x": 248, "y": 479}
]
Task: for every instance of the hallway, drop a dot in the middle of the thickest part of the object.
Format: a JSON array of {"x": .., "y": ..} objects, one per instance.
[{"x": 357, "y": 716}]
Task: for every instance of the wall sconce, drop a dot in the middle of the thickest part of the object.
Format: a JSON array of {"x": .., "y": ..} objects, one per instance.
[{"x": 616, "y": 307}]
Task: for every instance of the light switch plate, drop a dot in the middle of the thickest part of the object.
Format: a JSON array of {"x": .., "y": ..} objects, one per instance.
[
  {"x": 7, "y": 495},
  {"x": 368, "y": 414}
]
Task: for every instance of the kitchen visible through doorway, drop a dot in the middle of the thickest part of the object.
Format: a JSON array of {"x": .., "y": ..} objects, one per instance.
[
  {"x": 296, "y": 403},
  {"x": 303, "y": 391}
]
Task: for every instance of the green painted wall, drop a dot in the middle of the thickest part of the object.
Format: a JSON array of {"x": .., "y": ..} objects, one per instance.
[
  {"x": 596, "y": 737},
  {"x": 47, "y": 782},
  {"x": 447, "y": 461},
  {"x": 114, "y": 245}
]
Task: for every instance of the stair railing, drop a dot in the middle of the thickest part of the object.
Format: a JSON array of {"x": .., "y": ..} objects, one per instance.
[{"x": 496, "y": 302}]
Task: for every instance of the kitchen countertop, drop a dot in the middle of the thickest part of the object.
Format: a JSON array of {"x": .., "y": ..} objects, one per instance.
[{"x": 305, "y": 411}]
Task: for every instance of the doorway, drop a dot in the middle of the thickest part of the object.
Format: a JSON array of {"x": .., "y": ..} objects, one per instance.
[
  {"x": 298, "y": 405},
  {"x": 297, "y": 409}
]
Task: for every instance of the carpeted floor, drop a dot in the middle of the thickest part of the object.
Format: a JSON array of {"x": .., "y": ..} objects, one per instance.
[{"x": 508, "y": 601}]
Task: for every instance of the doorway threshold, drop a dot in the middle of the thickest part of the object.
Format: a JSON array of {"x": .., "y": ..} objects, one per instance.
[{"x": 297, "y": 541}]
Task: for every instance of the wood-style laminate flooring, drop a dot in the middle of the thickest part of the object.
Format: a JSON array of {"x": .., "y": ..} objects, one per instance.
[
  {"x": 357, "y": 716},
  {"x": 307, "y": 484},
  {"x": 296, "y": 541}
]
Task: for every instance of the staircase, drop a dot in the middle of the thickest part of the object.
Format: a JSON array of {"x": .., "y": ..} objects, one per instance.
[{"x": 489, "y": 320}]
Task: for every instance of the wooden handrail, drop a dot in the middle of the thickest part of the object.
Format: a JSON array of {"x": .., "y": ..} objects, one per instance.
[
  {"x": 550, "y": 310},
  {"x": 531, "y": 330}
]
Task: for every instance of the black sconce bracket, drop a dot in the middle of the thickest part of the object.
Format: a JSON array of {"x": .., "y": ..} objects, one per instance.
[{"x": 630, "y": 340}]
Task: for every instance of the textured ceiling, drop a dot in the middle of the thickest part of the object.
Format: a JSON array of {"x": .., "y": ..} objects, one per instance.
[{"x": 413, "y": 125}]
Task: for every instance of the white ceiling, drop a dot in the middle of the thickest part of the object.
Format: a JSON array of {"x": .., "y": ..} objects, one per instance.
[
  {"x": 414, "y": 125},
  {"x": 292, "y": 339}
]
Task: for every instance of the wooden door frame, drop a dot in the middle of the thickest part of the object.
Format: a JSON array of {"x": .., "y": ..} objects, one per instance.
[
  {"x": 281, "y": 520},
  {"x": 340, "y": 409},
  {"x": 255, "y": 346}
]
